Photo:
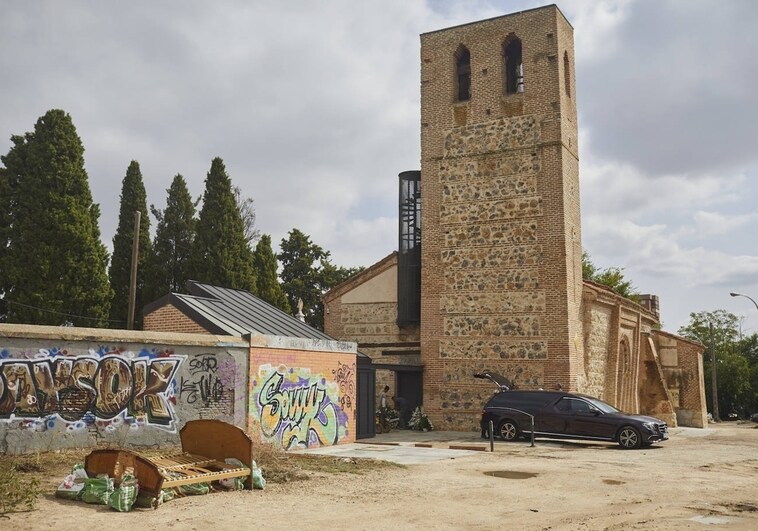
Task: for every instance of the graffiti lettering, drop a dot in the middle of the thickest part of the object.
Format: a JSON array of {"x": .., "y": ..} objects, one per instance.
[
  {"x": 72, "y": 387},
  {"x": 204, "y": 383},
  {"x": 296, "y": 412},
  {"x": 344, "y": 375}
]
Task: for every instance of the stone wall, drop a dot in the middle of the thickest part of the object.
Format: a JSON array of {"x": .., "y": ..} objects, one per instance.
[
  {"x": 78, "y": 387},
  {"x": 681, "y": 362},
  {"x": 501, "y": 238},
  {"x": 364, "y": 310}
]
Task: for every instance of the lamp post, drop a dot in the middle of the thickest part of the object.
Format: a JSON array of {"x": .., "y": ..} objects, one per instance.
[{"x": 742, "y": 295}]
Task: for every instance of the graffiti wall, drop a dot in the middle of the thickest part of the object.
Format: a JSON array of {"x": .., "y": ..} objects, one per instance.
[
  {"x": 57, "y": 393},
  {"x": 302, "y": 399}
]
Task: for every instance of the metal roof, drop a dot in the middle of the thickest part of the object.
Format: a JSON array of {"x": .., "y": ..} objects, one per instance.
[{"x": 237, "y": 312}]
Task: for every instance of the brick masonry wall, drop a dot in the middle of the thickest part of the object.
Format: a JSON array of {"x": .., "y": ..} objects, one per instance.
[
  {"x": 373, "y": 325},
  {"x": 302, "y": 399},
  {"x": 501, "y": 244},
  {"x": 682, "y": 364},
  {"x": 170, "y": 319}
]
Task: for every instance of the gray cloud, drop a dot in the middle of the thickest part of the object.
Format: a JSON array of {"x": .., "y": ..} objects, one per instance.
[{"x": 314, "y": 108}]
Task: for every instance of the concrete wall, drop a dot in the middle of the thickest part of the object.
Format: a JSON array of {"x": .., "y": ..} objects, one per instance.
[
  {"x": 77, "y": 387},
  {"x": 302, "y": 398}
]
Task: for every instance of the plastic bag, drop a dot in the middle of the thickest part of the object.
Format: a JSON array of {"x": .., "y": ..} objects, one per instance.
[
  {"x": 194, "y": 489},
  {"x": 97, "y": 490},
  {"x": 71, "y": 488},
  {"x": 259, "y": 482},
  {"x": 123, "y": 498},
  {"x": 233, "y": 483}
]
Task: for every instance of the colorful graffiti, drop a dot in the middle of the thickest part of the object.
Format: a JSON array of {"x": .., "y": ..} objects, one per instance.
[
  {"x": 104, "y": 387},
  {"x": 298, "y": 409}
]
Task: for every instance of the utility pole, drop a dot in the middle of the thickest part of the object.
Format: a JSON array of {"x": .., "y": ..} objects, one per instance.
[
  {"x": 133, "y": 278},
  {"x": 714, "y": 383}
]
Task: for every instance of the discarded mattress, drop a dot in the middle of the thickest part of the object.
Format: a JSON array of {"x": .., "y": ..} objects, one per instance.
[{"x": 205, "y": 446}]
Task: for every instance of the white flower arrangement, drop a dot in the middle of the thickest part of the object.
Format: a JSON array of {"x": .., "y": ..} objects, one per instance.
[{"x": 419, "y": 421}]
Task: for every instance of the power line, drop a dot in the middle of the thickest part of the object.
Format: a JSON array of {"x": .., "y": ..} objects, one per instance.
[{"x": 121, "y": 321}]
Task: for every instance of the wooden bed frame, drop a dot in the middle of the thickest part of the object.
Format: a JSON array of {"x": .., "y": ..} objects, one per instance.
[{"x": 205, "y": 445}]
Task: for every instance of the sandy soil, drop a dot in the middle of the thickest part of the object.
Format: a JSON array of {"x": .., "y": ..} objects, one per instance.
[{"x": 697, "y": 479}]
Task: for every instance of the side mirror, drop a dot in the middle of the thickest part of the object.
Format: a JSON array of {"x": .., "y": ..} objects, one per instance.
[{"x": 597, "y": 412}]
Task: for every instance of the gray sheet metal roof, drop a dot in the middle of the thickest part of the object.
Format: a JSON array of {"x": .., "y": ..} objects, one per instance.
[{"x": 237, "y": 312}]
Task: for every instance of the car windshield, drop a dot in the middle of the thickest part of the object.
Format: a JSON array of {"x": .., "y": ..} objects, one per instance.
[{"x": 602, "y": 406}]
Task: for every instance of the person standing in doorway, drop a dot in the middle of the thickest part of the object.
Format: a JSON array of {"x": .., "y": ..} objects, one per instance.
[
  {"x": 383, "y": 405},
  {"x": 401, "y": 405}
]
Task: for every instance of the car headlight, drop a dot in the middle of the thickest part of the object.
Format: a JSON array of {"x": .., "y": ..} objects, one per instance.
[{"x": 650, "y": 426}]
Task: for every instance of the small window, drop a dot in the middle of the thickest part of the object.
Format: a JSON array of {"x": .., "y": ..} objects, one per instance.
[
  {"x": 566, "y": 74},
  {"x": 513, "y": 65},
  {"x": 463, "y": 74}
]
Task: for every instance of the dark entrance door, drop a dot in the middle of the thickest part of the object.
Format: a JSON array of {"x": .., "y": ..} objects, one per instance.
[
  {"x": 409, "y": 385},
  {"x": 366, "y": 407}
]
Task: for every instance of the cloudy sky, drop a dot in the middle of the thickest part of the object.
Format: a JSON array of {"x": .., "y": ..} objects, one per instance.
[{"x": 314, "y": 107}]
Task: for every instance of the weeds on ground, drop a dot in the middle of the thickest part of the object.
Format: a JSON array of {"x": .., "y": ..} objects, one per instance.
[
  {"x": 17, "y": 493},
  {"x": 282, "y": 467}
]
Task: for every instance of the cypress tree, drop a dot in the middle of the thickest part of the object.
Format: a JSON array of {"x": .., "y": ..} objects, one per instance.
[
  {"x": 133, "y": 198},
  {"x": 168, "y": 268},
  {"x": 220, "y": 253},
  {"x": 267, "y": 285},
  {"x": 54, "y": 264}
]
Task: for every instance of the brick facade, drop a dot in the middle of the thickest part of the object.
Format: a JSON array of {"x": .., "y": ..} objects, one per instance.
[
  {"x": 501, "y": 248},
  {"x": 169, "y": 318},
  {"x": 501, "y": 275}
]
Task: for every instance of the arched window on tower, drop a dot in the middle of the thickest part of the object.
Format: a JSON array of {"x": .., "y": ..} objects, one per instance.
[
  {"x": 513, "y": 65},
  {"x": 566, "y": 74},
  {"x": 462, "y": 74}
]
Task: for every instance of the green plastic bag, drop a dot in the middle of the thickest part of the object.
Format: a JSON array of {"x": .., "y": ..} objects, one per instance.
[
  {"x": 97, "y": 490},
  {"x": 194, "y": 489},
  {"x": 233, "y": 483},
  {"x": 259, "y": 482},
  {"x": 122, "y": 499},
  {"x": 167, "y": 495}
]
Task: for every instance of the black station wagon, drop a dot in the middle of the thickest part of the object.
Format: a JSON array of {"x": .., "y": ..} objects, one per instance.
[{"x": 562, "y": 415}]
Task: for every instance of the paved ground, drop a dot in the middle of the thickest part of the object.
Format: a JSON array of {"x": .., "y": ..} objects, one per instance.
[{"x": 408, "y": 447}]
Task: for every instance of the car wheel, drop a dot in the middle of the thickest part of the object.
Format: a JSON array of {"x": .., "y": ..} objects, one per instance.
[
  {"x": 508, "y": 430},
  {"x": 629, "y": 438}
]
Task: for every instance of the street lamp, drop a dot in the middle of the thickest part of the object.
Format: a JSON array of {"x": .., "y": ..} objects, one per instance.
[{"x": 741, "y": 295}]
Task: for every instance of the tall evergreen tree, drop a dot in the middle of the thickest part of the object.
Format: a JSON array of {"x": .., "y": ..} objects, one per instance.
[
  {"x": 54, "y": 264},
  {"x": 267, "y": 285},
  {"x": 133, "y": 198},
  {"x": 307, "y": 273},
  {"x": 220, "y": 253},
  {"x": 168, "y": 266}
]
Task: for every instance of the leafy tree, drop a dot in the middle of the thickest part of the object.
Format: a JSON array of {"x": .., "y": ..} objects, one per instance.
[
  {"x": 168, "y": 267},
  {"x": 220, "y": 252},
  {"x": 267, "y": 286},
  {"x": 307, "y": 274},
  {"x": 247, "y": 211},
  {"x": 612, "y": 277},
  {"x": 718, "y": 331},
  {"x": 133, "y": 199},
  {"x": 54, "y": 264}
]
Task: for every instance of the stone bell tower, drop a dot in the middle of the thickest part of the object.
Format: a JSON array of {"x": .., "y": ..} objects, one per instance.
[{"x": 501, "y": 280}]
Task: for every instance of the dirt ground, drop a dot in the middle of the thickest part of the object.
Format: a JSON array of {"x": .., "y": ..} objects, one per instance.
[{"x": 697, "y": 479}]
